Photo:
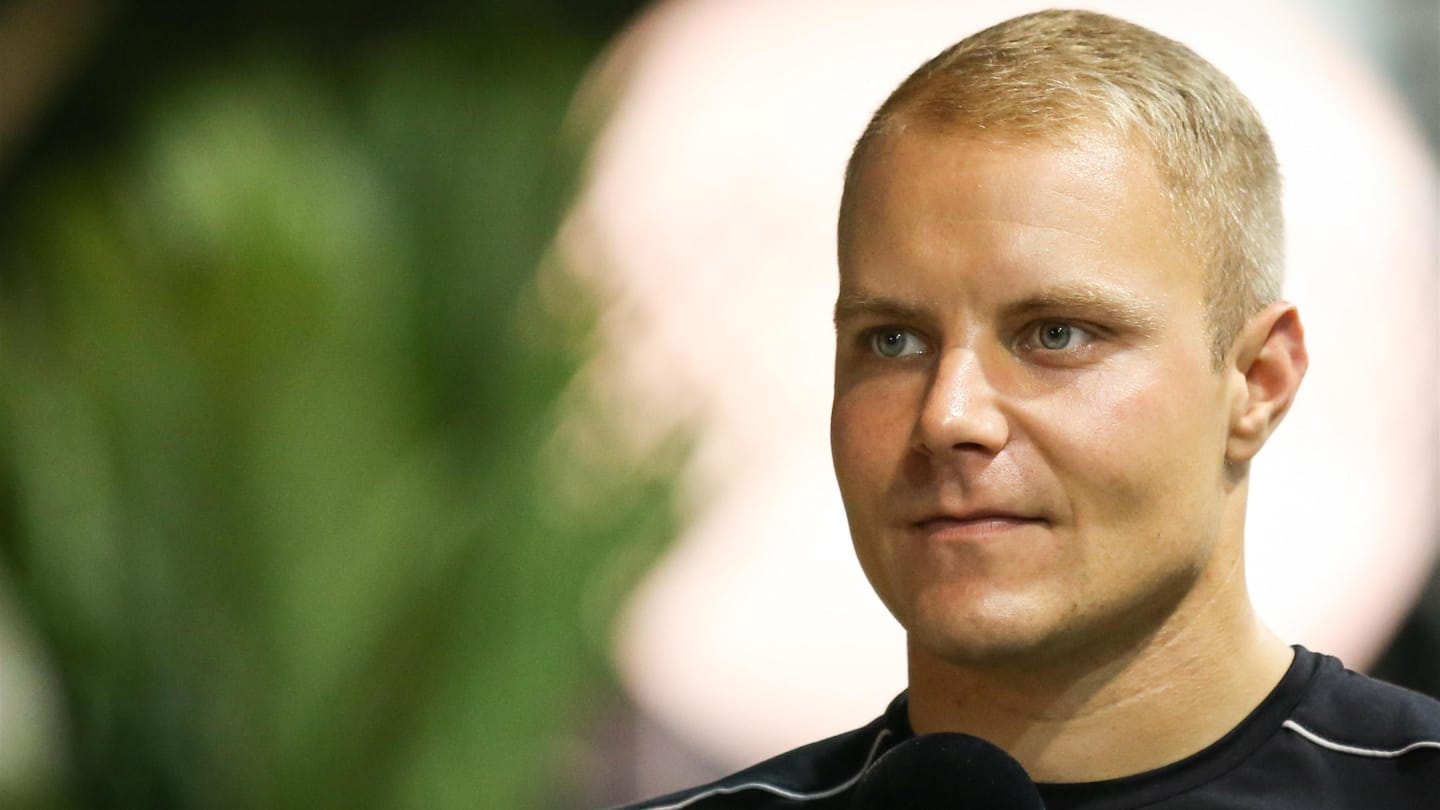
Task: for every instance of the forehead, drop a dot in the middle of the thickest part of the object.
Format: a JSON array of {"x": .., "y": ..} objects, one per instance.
[{"x": 924, "y": 201}]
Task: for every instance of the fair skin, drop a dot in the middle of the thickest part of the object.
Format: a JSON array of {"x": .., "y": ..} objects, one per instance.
[{"x": 1043, "y": 468}]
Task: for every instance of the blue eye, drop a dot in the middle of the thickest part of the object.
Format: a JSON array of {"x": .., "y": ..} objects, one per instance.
[
  {"x": 892, "y": 343},
  {"x": 1057, "y": 336}
]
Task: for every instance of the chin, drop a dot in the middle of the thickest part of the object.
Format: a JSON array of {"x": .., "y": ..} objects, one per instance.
[{"x": 996, "y": 630}]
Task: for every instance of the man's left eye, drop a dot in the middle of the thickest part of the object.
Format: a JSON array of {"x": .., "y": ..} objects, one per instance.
[{"x": 1055, "y": 336}]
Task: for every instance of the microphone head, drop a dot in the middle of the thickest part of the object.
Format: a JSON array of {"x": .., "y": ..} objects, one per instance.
[{"x": 946, "y": 771}]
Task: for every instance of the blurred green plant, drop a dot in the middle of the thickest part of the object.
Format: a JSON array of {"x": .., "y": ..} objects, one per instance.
[{"x": 276, "y": 381}]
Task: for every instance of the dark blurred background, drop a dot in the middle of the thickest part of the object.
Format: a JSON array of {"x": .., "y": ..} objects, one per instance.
[{"x": 276, "y": 374}]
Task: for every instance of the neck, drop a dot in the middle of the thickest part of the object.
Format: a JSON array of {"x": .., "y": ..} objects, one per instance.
[{"x": 1102, "y": 714}]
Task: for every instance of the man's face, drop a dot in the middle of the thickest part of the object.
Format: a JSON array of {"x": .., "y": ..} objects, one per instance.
[{"x": 1027, "y": 429}]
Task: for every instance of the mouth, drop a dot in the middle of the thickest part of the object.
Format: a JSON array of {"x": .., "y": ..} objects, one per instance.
[{"x": 971, "y": 526}]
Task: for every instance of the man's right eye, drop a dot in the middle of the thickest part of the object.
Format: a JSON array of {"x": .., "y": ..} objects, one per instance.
[{"x": 890, "y": 342}]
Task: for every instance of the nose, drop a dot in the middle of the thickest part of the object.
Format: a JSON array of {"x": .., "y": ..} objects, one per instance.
[{"x": 961, "y": 410}]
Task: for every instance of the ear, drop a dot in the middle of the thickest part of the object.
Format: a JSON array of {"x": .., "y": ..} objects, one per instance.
[{"x": 1266, "y": 363}]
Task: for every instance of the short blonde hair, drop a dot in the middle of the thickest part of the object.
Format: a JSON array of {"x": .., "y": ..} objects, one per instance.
[{"x": 1054, "y": 75}]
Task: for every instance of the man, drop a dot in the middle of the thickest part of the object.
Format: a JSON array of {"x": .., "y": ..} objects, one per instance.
[{"x": 1059, "y": 345}]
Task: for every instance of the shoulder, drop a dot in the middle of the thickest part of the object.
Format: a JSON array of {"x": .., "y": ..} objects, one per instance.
[
  {"x": 1347, "y": 710},
  {"x": 817, "y": 776},
  {"x": 1326, "y": 738},
  {"x": 1355, "y": 741}
]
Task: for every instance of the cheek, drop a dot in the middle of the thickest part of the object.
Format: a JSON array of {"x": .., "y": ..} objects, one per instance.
[
  {"x": 1134, "y": 452},
  {"x": 869, "y": 434}
]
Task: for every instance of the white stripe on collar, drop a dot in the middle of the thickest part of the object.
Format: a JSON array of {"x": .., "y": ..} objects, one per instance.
[
  {"x": 780, "y": 791},
  {"x": 1359, "y": 751}
]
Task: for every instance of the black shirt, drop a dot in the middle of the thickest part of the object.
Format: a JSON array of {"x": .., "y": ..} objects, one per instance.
[{"x": 1325, "y": 738}]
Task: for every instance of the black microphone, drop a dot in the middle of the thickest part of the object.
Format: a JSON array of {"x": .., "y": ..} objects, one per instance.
[{"x": 946, "y": 771}]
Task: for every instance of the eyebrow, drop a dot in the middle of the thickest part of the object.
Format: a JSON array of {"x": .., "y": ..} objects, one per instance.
[
  {"x": 1097, "y": 301},
  {"x": 1111, "y": 306},
  {"x": 852, "y": 306}
]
